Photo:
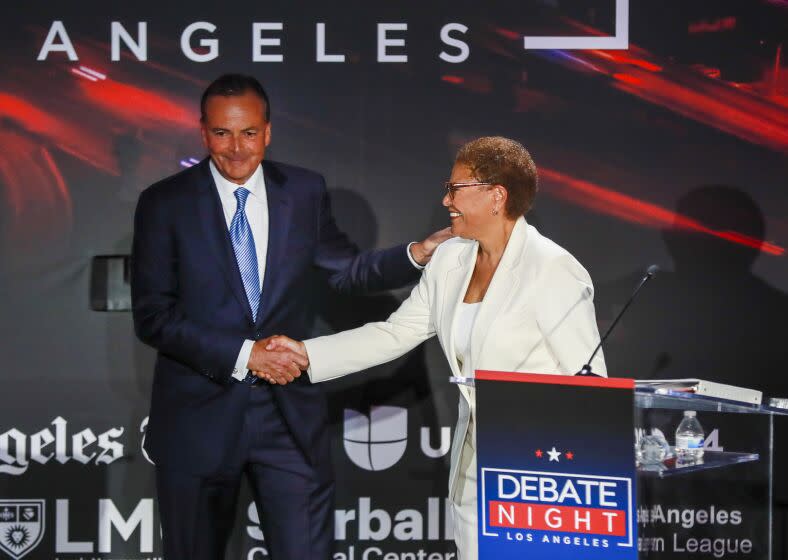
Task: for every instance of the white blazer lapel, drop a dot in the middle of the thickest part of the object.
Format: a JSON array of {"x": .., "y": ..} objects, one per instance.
[
  {"x": 455, "y": 286},
  {"x": 504, "y": 284}
]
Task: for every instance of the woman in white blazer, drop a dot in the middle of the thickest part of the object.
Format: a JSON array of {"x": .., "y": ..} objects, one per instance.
[{"x": 499, "y": 296}]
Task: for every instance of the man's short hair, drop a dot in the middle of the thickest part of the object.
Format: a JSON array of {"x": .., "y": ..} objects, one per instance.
[{"x": 235, "y": 84}]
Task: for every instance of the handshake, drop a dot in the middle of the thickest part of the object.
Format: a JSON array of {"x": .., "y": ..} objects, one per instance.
[{"x": 278, "y": 359}]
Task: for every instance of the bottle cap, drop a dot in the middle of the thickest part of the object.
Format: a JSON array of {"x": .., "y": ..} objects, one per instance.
[{"x": 689, "y": 413}]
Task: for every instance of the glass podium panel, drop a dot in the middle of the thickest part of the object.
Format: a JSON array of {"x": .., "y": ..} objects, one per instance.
[{"x": 719, "y": 506}]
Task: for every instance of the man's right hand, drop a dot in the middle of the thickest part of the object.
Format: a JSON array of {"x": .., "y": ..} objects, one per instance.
[
  {"x": 281, "y": 366},
  {"x": 423, "y": 250}
]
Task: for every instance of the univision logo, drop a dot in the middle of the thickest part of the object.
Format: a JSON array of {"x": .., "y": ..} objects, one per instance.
[{"x": 377, "y": 442}]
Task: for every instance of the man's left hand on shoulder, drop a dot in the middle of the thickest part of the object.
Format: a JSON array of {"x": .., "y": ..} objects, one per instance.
[{"x": 422, "y": 251}]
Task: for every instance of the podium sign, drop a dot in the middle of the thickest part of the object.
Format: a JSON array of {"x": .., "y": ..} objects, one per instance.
[{"x": 556, "y": 467}]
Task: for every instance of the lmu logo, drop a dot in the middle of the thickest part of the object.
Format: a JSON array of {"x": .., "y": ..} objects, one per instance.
[
  {"x": 378, "y": 442},
  {"x": 21, "y": 526}
]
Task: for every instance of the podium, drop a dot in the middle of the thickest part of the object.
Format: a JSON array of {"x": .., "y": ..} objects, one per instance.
[{"x": 558, "y": 477}]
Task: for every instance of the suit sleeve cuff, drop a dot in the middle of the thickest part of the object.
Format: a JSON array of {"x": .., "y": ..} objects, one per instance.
[
  {"x": 411, "y": 259},
  {"x": 240, "y": 369}
]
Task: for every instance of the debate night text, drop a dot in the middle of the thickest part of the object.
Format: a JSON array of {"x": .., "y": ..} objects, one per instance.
[{"x": 595, "y": 506}]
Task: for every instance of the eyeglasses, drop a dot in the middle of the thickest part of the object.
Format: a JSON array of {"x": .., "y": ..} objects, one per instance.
[{"x": 452, "y": 188}]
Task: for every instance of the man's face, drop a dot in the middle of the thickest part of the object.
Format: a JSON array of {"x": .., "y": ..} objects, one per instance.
[{"x": 236, "y": 134}]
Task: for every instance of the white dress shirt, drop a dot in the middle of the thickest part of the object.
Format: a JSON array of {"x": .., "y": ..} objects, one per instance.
[{"x": 257, "y": 215}]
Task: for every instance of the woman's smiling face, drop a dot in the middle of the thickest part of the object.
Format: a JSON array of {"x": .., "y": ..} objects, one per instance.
[{"x": 469, "y": 203}]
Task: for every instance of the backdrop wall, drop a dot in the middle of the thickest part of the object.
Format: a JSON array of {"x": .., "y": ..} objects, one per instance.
[{"x": 671, "y": 151}]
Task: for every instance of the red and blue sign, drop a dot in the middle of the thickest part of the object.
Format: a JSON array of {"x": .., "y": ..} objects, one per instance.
[{"x": 556, "y": 470}]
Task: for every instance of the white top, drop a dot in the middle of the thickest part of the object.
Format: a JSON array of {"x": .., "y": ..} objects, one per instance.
[{"x": 466, "y": 317}]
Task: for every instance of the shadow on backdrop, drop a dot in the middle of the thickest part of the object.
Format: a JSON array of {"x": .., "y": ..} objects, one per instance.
[{"x": 710, "y": 317}]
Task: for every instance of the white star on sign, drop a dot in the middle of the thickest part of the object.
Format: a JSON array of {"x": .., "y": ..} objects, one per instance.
[{"x": 554, "y": 454}]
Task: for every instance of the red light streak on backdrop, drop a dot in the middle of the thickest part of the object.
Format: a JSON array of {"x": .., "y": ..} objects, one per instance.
[
  {"x": 138, "y": 106},
  {"x": 88, "y": 119},
  {"x": 760, "y": 119},
  {"x": 60, "y": 127},
  {"x": 624, "y": 207},
  {"x": 715, "y": 26},
  {"x": 35, "y": 191},
  {"x": 757, "y": 113},
  {"x": 714, "y": 103}
]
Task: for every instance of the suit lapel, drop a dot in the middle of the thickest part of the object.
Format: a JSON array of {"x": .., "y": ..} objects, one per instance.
[
  {"x": 218, "y": 237},
  {"x": 456, "y": 284},
  {"x": 504, "y": 284},
  {"x": 279, "y": 212}
]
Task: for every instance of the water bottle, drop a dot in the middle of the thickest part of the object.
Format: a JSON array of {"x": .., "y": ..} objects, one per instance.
[{"x": 689, "y": 438}]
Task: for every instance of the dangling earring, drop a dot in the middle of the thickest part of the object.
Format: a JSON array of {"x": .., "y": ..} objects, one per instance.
[{"x": 495, "y": 211}]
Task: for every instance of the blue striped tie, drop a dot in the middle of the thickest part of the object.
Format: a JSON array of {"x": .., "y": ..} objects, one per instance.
[{"x": 245, "y": 254}]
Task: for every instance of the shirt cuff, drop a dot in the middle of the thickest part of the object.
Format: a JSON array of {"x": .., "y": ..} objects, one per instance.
[
  {"x": 240, "y": 369},
  {"x": 411, "y": 259}
]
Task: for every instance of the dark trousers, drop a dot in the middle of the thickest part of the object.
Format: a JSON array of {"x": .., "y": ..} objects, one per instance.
[{"x": 294, "y": 504}]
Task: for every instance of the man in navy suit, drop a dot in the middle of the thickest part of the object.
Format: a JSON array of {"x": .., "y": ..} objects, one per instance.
[{"x": 224, "y": 257}]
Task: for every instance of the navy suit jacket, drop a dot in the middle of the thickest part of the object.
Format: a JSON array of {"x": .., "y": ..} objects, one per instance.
[{"x": 189, "y": 304}]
